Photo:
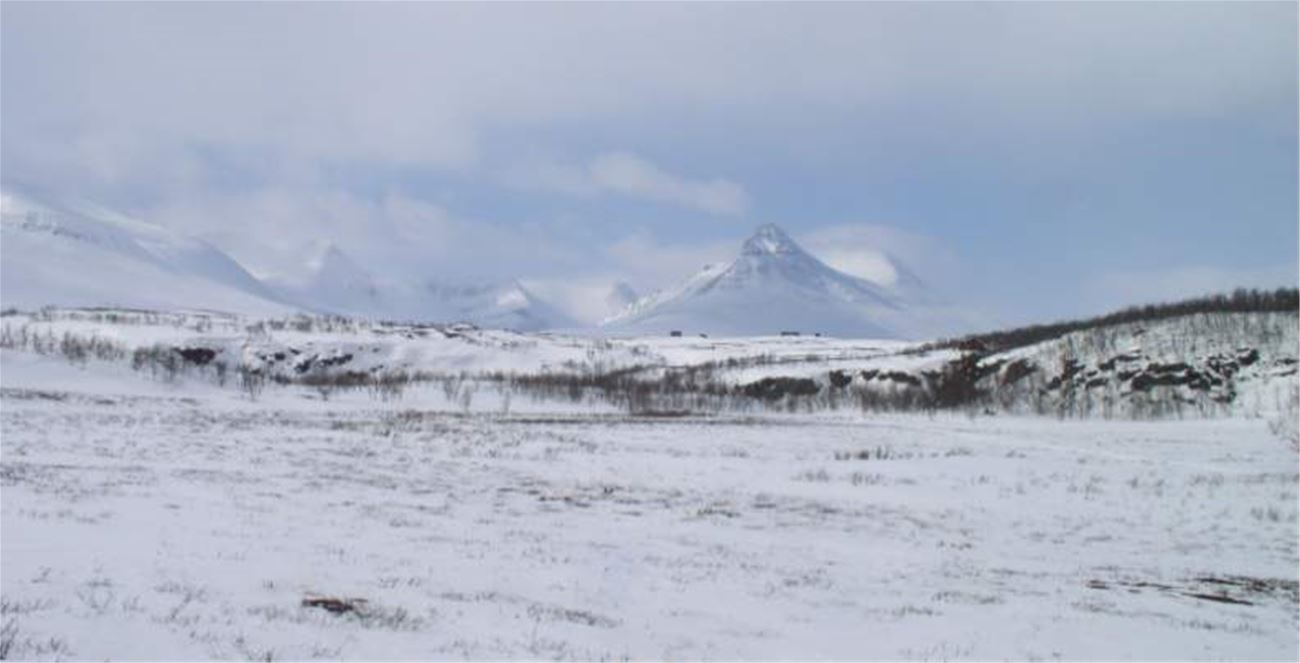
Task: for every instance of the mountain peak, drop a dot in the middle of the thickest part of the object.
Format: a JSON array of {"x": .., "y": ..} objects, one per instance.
[
  {"x": 333, "y": 267},
  {"x": 769, "y": 239},
  {"x": 774, "y": 285}
]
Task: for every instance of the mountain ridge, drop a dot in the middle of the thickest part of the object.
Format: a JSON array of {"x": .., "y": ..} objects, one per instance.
[
  {"x": 774, "y": 285},
  {"x": 78, "y": 255},
  {"x": 771, "y": 285}
]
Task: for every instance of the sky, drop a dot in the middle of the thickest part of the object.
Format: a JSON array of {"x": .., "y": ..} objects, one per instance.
[{"x": 1028, "y": 160}]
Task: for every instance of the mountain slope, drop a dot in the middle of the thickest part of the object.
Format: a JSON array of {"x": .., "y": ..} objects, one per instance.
[
  {"x": 774, "y": 285},
  {"x": 335, "y": 283},
  {"x": 332, "y": 283},
  {"x": 90, "y": 257},
  {"x": 505, "y": 305}
]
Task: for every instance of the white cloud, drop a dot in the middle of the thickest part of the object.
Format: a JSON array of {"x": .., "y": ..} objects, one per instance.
[
  {"x": 648, "y": 264},
  {"x": 586, "y": 299},
  {"x": 626, "y": 174},
  {"x": 255, "y": 123},
  {"x": 274, "y": 231},
  {"x": 415, "y": 84},
  {"x": 866, "y": 263},
  {"x": 884, "y": 254},
  {"x": 632, "y": 176}
]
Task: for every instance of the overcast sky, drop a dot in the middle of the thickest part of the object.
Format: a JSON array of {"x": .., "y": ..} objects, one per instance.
[{"x": 1031, "y": 160}]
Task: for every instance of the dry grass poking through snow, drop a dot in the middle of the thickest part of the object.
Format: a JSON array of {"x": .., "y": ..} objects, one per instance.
[{"x": 147, "y": 527}]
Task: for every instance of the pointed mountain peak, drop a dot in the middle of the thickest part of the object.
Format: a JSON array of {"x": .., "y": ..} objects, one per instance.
[
  {"x": 332, "y": 269},
  {"x": 330, "y": 262},
  {"x": 769, "y": 239}
]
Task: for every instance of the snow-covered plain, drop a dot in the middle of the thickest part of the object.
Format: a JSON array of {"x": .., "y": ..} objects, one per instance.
[{"x": 146, "y": 518}]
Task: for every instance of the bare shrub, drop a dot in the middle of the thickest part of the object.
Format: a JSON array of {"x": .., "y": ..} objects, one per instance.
[
  {"x": 252, "y": 382},
  {"x": 1283, "y": 300},
  {"x": 8, "y": 637},
  {"x": 1286, "y": 424}
]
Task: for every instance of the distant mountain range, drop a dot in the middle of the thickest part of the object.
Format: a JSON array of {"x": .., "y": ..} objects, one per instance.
[
  {"x": 337, "y": 284},
  {"x": 83, "y": 256},
  {"x": 78, "y": 256}
]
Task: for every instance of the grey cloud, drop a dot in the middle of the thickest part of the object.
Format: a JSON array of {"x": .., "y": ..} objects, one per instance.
[
  {"x": 1107, "y": 291},
  {"x": 146, "y": 106},
  {"x": 273, "y": 231},
  {"x": 629, "y": 175},
  {"x": 419, "y": 83}
]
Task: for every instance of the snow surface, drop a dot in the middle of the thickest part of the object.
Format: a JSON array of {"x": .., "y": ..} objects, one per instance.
[
  {"x": 440, "y": 348},
  {"x": 149, "y": 518}
]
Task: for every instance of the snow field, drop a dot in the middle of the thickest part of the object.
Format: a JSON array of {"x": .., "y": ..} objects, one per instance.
[{"x": 141, "y": 524}]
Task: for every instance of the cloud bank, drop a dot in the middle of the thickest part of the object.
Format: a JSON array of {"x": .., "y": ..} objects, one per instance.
[
  {"x": 629, "y": 175},
  {"x": 1047, "y": 144}
]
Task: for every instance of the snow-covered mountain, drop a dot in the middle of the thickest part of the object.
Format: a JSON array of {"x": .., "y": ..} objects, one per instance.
[
  {"x": 505, "y": 305},
  {"x": 774, "y": 285},
  {"x": 82, "y": 256},
  {"x": 336, "y": 283},
  {"x": 332, "y": 282},
  {"x": 78, "y": 255}
]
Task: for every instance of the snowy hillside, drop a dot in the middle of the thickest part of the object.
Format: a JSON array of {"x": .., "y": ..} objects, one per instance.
[
  {"x": 1209, "y": 364},
  {"x": 1201, "y": 364},
  {"x": 775, "y": 286},
  {"x": 1245, "y": 363},
  {"x": 86, "y": 257}
]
